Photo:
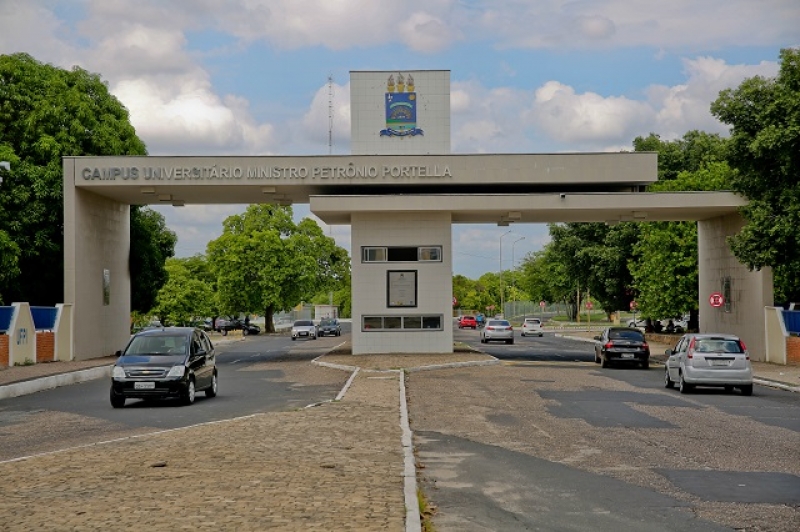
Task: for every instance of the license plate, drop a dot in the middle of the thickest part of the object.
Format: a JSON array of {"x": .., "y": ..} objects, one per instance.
[
  {"x": 626, "y": 355},
  {"x": 303, "y": 333},
  {"x": 719, "y": 362},
  {"x": 144, "y": 386}
]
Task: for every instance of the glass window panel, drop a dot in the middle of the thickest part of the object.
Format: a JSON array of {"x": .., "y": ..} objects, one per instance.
[
  {"x": 430, "y": 253},
  {"x": 392, "y": 322},
  {"x": 374, "y": 254},
  {"x": 412, "y": 322},
  {"x": 431, "y": 322},
  {"x": 373, "y": 322}
]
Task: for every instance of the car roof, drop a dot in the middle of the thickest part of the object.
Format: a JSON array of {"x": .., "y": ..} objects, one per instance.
[
  {"x": 714, "y": 335},
  {"x": 168, "y": 331}
]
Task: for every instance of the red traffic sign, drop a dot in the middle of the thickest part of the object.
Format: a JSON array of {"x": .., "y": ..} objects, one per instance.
[
  {"x": 716, "y": 299},
  {"x": 634, "y": 305},
  {"x": 589, "y": 305},
  {"x": 542, "y": 304}
]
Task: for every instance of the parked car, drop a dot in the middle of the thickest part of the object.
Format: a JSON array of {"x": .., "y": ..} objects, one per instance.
[
  {"x": 330, "y": 326},
  {"x": 304, "y": 329},
  {"x": 235, "y": 324},
  {"x": 532, "y": 327},
  {"x": 467, "y": 322},
  {"x": 497, "y": 330},
  {"x": 160, "y": 363},
  {"x": 621, "y": 345},
  {"x": 709, "y": 360}
]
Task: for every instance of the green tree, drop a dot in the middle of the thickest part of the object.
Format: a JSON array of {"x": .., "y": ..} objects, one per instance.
[
  {"x": 185, "y": 296},
  {"x": 664, "y": 263},
  {"x": 263, "y": 261},
  {"x": 764, "y": 115},
  {"x": 47, "y": 113},
  {"x": 152, "y": 243}
]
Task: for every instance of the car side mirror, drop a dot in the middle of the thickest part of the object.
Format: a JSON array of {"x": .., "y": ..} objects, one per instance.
[{"x": 118, "y": 354}]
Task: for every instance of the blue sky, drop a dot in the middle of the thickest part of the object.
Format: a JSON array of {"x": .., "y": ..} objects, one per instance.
[{"x": 228, "y": 77}]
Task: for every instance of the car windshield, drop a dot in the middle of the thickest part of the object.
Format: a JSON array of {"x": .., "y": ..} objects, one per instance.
[
  {"x": 304, "y": 323},
  {"x": 328, "y": 322},
  {"x": 157, "y": 345},
  {"x": 626, "y": 334}
]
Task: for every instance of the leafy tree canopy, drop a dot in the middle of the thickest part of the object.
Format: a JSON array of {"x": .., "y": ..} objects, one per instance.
[
  {"x": 186, "y": 296},
  {"x": 764, "y": 115},
  {"x": 47, "y": 113},
  {"x": 264, "y": 262}
]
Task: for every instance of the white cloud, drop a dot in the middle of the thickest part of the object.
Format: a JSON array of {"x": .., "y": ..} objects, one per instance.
[{"x": 329, "y": 111}]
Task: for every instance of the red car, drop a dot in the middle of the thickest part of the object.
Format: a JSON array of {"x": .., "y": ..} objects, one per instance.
[{"x": 467, "y": 321}]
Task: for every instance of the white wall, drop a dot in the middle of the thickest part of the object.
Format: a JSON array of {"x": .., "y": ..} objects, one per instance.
[
  {"x": 750, "y": 291},
  {"x": 434, "y": 288},
  {"x": 368, "y": 113}
]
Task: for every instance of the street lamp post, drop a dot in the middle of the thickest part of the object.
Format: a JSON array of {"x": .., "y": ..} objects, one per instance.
[
  {"x": 502, "y": 288},
  {"x": 513, "y": 278}
]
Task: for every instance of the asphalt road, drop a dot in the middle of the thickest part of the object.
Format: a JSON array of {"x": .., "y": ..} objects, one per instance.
[
  {"x": 551, "y": 441},
  {"x": 262, "y": 373}
]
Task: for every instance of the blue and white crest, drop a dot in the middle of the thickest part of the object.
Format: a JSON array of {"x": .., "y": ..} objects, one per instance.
[{"x": 401, "y": 108}]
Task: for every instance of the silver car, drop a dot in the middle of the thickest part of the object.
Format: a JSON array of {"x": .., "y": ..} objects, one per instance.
[
  {"x": 709, "y": 360},
  {"x": 497, "y": 330},
  {"x": 304, "y": 329}
]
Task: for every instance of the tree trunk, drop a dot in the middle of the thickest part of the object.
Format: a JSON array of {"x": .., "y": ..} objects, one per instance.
[{"x": 269, "y": 326}]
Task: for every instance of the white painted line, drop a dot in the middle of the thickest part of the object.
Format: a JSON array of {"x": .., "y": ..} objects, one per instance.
[
  {"x": 413, "y": 521},
  {"x": 347, "y": 385}
]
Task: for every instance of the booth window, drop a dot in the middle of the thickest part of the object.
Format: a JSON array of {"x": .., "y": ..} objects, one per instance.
[
  {"x": 401, "y": 254},
  {"x": 402, "y": 323}
]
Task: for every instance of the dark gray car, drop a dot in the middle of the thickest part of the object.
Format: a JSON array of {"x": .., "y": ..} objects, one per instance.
[
  {"x": 171, "y": 362},
  {"x": 330, "y": 327}
]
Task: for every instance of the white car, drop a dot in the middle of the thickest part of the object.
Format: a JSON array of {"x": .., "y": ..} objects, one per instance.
[
  {"x": 304, "y": 329},
  {"x": 497, "y": 330},
  {"x": 709, "y": 360},
  {"x": 532, "y": 327}
]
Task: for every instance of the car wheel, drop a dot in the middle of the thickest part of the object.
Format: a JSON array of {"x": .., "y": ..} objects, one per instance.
[
  {"x": 293, "y": 338},
  {"x": 646, "y": 364},
  {"x": 668, "y": 383},
  {"x": 728, "y": 389},
  {"x": 510, "y": 342},
  {"x": 189, "y": 394},
  {"x": 522, "y": 334},
  {"x": 747, "y": 390},
  {"x": 211, "y": 391},
  {"x": 117, "y": 401},
  {"x": 541, "y": 335},
  {"x": 483, "y": 340},
  {"x": 244, "y": 332},
  {"x": 684, "y": 386}
]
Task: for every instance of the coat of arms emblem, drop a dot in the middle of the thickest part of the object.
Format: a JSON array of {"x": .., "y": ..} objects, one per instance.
[{"x": 401, "y": 107}]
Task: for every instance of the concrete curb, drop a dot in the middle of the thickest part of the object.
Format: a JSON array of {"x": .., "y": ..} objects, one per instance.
[{"x": 53, "y": 381}]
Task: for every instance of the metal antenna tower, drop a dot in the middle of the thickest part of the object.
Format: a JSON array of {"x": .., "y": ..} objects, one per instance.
[{"x": 330, "y": 114}]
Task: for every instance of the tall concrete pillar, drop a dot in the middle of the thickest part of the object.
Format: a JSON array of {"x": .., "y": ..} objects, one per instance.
[
  {"x": 96, "y": 272},
  {"x": 746, "y": 293}
]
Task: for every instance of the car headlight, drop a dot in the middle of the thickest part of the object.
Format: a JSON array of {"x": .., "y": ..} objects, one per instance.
[
  {"x": 118, "y": 372},
  {"x": 176, "y": 371}
]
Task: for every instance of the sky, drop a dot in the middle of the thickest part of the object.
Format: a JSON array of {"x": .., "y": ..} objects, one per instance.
[{"x": 269, "y": 77}]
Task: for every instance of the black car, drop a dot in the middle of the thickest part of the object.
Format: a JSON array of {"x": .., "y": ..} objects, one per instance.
[
  {"x": 329, "y": 327},
  {"x": 623, "y": 345},
  {"x": 235, "y": 324},
  {"x": 171, "y": 362}
]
